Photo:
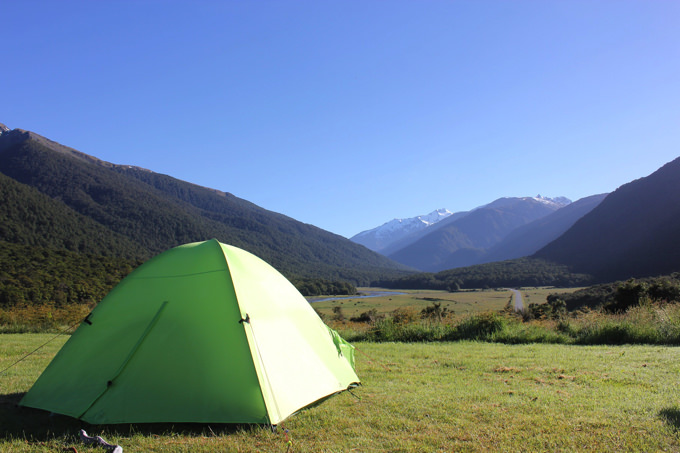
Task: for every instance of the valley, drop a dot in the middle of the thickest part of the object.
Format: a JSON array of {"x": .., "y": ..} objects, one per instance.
[{"x": 434, "y": 349}]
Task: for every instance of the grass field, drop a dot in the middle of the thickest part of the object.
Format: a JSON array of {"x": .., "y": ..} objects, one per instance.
[
  {"x": 460, "y": 303},
  {"x": 420, "y": 397}
]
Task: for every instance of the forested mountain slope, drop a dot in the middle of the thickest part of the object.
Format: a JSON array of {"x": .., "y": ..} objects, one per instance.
[
  {"x": 145, "y": 213},
  {"x": 634, "y": 232},
  {"x": 529, "y": 238}
]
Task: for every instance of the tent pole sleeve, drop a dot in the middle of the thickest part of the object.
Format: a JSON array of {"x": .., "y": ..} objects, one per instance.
[{"x": 129, "y": 356}]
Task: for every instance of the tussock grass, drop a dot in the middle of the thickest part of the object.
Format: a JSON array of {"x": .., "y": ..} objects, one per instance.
[
  {"x": 41, "y": 317},
  {"x": 649, "y": 324},
  {"x": 415, "y": 397}
]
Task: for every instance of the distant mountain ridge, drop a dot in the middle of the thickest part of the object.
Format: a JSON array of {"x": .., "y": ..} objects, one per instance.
[
  {"x": 463, "y": 241},
  {"x": 396, "y": 234},
  {"x": 139, "y": 213},
  {"x": 458, "y": 239}
]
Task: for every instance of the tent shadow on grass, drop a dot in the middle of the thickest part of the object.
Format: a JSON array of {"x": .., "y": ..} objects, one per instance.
[
  {"x": 17, "y": 422},
  {"x": 671, "y": 416}
]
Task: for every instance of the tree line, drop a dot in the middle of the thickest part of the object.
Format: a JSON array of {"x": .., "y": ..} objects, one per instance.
[
  {"x": 33, "y": 276},
  {"x": 322, "y": 287},
  {"x": 511, "y": 273}
]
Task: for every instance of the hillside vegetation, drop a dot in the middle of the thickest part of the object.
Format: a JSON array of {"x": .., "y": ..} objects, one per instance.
[
  {"x": 34, "y": 276},
  {"x": 633, "y": 232},
  {"x": 58, "y": 202},
  {"x": 31, "y": 218}
]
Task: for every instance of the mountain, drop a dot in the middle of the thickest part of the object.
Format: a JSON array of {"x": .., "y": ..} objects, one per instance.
[
  {"x": 394, "y": 231},
  {"x": 633, "y": 232},
  {"x": 463, "y": 240},
  {"x": 417, "y": 235},
  {"x": 529, "y": 238},
  {"x": 61, "y": 198}
]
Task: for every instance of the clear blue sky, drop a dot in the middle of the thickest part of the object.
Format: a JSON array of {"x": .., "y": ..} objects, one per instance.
[{"x": 346, "y": 114}]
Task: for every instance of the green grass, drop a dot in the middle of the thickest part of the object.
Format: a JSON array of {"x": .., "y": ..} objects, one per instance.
[{"x": 420, "y": 397}]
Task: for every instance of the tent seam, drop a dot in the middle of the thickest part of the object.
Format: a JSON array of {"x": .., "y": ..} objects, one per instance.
[{"x": 258, "y": 369}]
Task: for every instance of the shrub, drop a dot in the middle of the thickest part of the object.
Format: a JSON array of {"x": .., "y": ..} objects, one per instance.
[
  {"x": 370, "y": 316},
  {"x": 630, "y": 294},
  {"x": 405, "y": 315},
  {"x": 481, "y": 326},
  {"x": 434, "y": 312}
]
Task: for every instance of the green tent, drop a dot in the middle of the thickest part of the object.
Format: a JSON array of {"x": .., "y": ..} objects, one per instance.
[{"x": 204, "y": 332}]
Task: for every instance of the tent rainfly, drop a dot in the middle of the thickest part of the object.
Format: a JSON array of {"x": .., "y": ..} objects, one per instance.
[{"x": 205, "y": 333}]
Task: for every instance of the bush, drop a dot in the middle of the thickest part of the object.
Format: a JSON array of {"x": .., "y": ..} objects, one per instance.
[
  {"x": 369, "y": 317},
  {"x": 403, "y": 316},
  {"x": 617, "y": 334},
  {"x": 525, "y": 333},
  {"x": 434, "y": 312},
  {"x": 646, "y": 324},
  {"x": 338, "y": 315},
  {"x": 480, "y": 327},
  {"x": 630, "y": 294}
]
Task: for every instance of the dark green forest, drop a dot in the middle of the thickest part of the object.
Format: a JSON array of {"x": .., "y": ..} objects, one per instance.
[
  {"x": 319, "y": 287},
  {"x": 32, "y": 276},
  {"x": 511, "y": 273},
  {"x": 29, "y": 217}
]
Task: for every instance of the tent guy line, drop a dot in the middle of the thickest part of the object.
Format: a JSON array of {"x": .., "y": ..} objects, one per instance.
[{"x": 63, "y": 332}]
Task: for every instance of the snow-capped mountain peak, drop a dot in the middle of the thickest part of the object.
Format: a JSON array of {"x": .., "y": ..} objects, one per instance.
[
  {"x": 558, "y": 201},
  {"x": 378, "y": 238},
  {"x": 435, "y": 216},
  {"x": 384, "y": 238}
]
